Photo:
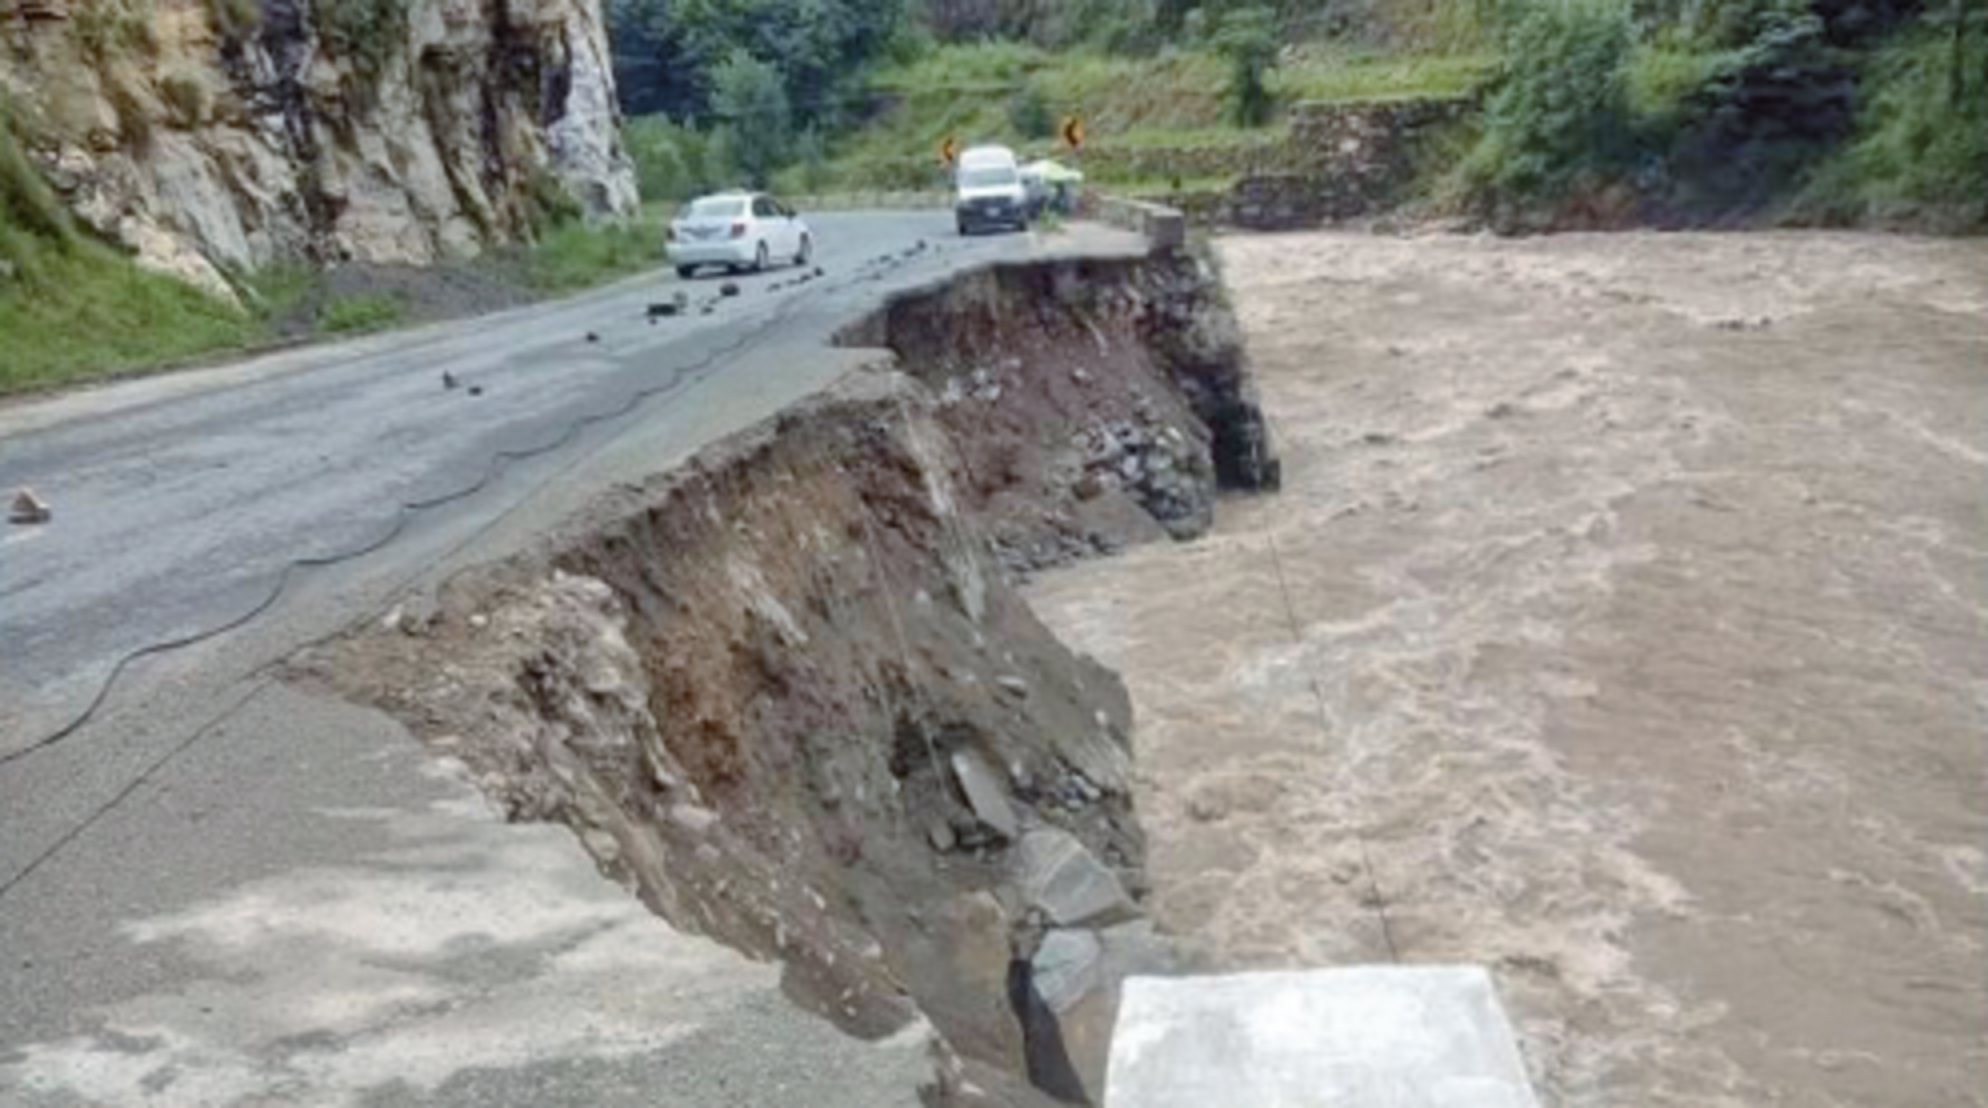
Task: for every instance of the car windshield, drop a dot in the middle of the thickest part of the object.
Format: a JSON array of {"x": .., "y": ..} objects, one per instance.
[
  {"x": 987, "y": 177},
  {"x": 715, "y": 207}
]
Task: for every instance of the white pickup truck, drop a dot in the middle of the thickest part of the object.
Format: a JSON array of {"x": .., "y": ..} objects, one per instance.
[{"x": 988, "y": 191}]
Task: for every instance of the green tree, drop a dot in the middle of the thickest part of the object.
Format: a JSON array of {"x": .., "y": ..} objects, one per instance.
[
  {"x": 1248, "y": 38},
  {"x": 667, "y": 53},
  {"x": 665, "y": 157},
  {"x": 1558, "y": 107},
  {"x": 719, "y": 167},
  {"x": 749, "y": 97},
  {"x": 813, "y": 156}
]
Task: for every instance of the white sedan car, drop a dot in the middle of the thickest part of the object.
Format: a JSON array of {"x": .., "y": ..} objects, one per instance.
[{"x": 738, "y": 230}]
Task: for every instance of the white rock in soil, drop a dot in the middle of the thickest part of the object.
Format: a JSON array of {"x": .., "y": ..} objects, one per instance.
[
  {"x": 692, "y": 818},
  {"x": 984, "y": 794}
]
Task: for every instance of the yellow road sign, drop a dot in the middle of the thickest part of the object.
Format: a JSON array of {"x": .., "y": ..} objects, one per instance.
[
  {"x": 948, "y": 150},
  {"x": 1073, "y": 132}
]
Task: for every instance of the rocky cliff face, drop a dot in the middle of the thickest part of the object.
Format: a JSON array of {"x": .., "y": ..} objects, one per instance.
[{"x": 210, "y": 135}]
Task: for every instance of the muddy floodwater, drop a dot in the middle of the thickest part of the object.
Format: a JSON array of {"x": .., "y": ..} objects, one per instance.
[{"x": 1622, "y": 626}]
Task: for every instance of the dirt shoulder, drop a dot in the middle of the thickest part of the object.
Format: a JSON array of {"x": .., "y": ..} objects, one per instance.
[{"x": 1619, "y": 627}]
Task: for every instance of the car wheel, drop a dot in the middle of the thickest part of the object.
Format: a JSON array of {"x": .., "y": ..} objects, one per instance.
[
  {"x": 759, "y": 258},
  {"x": 963, "y": 231},
  {"x": 807, "y": 250},
  {"x": 684, "y": 271}
]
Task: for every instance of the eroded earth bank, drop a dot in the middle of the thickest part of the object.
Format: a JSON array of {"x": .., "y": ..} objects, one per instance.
[
  {"x": 789, "y": 695},
  {"x": 1621, "y": 626}
]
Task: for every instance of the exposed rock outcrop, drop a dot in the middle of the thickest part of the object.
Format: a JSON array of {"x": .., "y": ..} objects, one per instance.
[{"x": 211, "y": 136}]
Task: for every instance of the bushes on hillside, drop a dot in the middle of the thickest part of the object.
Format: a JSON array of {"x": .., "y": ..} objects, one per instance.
[
  {"x": 1247, "y": 37},
  {"x": 1726, "y": 109},
  {"x": 108, "y": 28},
  {"x": 370, "y": 33},
  {"x": 1920, "y": 153},
  {"x": 1028, "y": 112},
  {"x": 27, "y": 205},
  {"x": 1780, "y": 99},
  {"x": 1557, "y": 111},
  {"x": 748, "y": 96},
  {"x": 668, "y": 158}
]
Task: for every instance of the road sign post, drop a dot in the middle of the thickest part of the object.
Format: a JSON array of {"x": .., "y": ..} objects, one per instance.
[{"x": 1073, "y": 139}]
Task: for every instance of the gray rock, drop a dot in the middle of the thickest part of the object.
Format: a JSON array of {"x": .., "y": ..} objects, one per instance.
[
  {"x": 1056, "y": 873},
  {"x": 29, "y": 508},
  {"x": 940, "y": 835},
  {"x": 984, "y": 794},
  {"x": 1013, "y": 685},
  {"x": 1066, "y": 967}
]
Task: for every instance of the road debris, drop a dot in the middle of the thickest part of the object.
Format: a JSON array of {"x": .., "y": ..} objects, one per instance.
[{"x": 28, "y": 508}]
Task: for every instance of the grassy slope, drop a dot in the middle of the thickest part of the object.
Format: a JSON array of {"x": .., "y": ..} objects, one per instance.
[
  {"x": 1175, "y": 99},
  {"x": 86, "y": 311},
  {"x": 70, "y": 306},
  {"x": 1916, "y": 158}
]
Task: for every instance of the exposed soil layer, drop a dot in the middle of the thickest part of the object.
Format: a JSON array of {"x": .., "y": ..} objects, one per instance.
[
  {"x": 1085, "y": 399},
  {"x": 788, "y": 695},
  {"x": 1620, "y": 626}
]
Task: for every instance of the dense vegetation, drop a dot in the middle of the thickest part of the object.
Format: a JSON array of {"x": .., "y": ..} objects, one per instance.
[
  {"x": 1693, "y": 110},
  {"x": 1815, "y": 110}
]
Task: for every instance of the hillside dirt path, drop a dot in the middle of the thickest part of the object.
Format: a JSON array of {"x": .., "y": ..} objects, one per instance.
[{"x": 1622, "y": 625}]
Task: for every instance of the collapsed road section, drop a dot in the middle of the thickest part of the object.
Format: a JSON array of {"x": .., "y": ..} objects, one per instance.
[{"x": 787, "y": 694}]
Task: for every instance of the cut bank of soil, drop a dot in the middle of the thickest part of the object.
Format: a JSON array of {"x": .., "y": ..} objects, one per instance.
[
  {"x": 1621, "y": 627},
  {"x": 787, "y": 694}
]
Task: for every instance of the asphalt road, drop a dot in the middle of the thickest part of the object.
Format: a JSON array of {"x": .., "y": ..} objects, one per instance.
[
  {"x": 201, "y": 792},
  {"x": 177, "y": 499}
]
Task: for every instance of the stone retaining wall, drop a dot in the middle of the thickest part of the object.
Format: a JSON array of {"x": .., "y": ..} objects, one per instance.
[
  {"x": 1165, "y": 228},
  {"x": 1339, "y": 161},
  {"x": 1123, "y": 163}
]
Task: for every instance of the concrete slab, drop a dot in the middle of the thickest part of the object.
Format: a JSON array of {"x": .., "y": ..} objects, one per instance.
[
  {"x": 309, "y": 909},
  {"x": 1357, "y": 1037}
]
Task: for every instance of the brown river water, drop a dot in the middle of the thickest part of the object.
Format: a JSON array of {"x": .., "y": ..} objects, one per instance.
[{"x": 1622, "y": 626}]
